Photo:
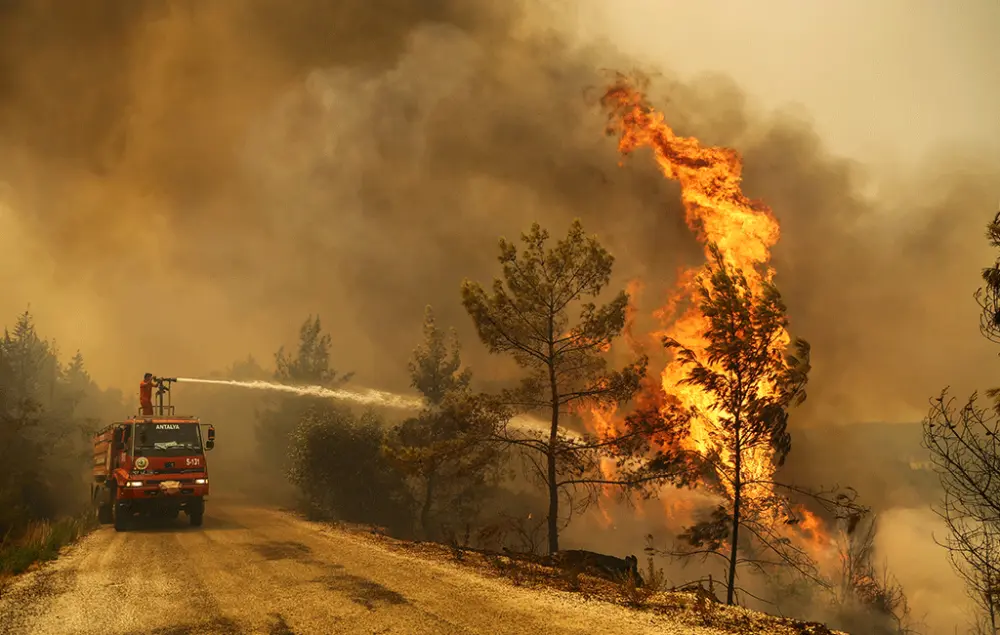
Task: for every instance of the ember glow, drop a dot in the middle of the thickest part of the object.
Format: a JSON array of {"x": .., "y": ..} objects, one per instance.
[{"x": 744, "y": 231}]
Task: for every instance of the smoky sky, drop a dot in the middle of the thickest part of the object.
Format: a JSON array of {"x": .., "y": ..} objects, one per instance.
[{"x": 183, "y": 183}]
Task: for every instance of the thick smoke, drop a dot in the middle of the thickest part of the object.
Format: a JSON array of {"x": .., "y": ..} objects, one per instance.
[
  {"x": 210, "y": 175},
  {"x": 184, "y": 182}
]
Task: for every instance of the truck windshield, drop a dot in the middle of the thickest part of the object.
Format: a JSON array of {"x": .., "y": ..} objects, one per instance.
[{"x": 167, "y": 439}]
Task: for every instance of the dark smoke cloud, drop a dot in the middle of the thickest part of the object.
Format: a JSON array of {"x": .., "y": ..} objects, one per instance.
[
  {"x": 194, "y": 179},
  {"x": 242, "y": 167},
  {"x": 182, "y": 182}
]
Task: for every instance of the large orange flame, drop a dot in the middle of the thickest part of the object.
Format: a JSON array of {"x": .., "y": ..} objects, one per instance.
[
  {"x": 717, "y": 210},
  {"x": 719, "y": 213}
]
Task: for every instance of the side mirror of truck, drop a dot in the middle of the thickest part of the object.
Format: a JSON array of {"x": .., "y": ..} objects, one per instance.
[{"x": 210, "y": 442}]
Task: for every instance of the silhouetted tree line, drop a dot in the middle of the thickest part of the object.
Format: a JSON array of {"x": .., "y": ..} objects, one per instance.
[{"x": 48, "y": 409}]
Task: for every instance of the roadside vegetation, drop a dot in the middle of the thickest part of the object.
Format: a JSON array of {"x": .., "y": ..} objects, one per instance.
[
  {"x": 48, "y": 410},
  {"x": 467, "y": 473},
  {"x": 468, "y": 476},
  {"x": 40, "y": 541}
]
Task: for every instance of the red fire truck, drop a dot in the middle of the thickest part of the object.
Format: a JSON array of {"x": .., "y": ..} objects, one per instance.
[{"x": 151, "y": 465}]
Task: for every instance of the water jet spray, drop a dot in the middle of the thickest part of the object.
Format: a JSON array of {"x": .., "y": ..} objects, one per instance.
[{"x": 368, "y": 396}]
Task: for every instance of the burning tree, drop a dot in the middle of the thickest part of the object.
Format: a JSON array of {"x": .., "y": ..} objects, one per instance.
[
  {"x": 966, "y": 456},
  {"x": 730, "y": 382},
  {"x": 527, "y": 315},
  {"x": 448, "y": 450},
  {"x": 748, "y": 383}
]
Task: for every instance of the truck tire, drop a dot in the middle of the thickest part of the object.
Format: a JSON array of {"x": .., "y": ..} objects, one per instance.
[
  {"x": 121, "y": 522},
  {"x": 196, "y": 517},
  {"x": 102, "y": 508},
  {"x": 120, "y": 519},
  {"x": 104, "y": 515}
]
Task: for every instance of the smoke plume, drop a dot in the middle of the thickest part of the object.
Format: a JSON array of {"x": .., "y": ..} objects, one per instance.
[{"x": 183, "y": 182}]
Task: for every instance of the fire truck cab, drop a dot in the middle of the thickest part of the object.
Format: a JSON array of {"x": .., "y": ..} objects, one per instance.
[{"x": 151, "y": 465}]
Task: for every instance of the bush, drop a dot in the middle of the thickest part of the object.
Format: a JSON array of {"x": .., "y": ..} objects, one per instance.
[
  {"x": 338, "y": 466},
  {"x": 42, "y": 541}
]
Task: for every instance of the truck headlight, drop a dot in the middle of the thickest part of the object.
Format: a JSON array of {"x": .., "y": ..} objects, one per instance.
[
  {"x": 134, "y": 484},
  {"x": 201, "y": 481}
]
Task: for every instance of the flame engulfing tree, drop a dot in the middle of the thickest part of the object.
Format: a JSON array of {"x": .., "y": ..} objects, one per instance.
[
  {"x": 749, "y": 383},
  {"x": 527, "y": 315},
  {"x": 448, "y": 451},
  {"x": 964, "y": 452}
]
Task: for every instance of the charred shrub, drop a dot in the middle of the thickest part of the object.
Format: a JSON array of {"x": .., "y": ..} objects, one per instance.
[{"x": 337, "y": 464}]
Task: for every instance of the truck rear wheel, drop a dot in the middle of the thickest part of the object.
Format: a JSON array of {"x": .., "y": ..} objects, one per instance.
[
  {"x": 101, "y": 512},
  {"x": 104, "y": 515}
]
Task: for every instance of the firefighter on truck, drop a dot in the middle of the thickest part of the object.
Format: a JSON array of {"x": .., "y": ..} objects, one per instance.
[
  {"x": 146, "y": 394},
  {"x": 152, "y": 463}
]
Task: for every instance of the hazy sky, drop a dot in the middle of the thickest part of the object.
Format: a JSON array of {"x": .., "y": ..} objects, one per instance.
[{"x": 882, "y": 80}]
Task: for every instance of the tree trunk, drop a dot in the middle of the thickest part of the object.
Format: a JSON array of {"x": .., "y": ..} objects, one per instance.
[
  {"x": 553, "y": 446},
  {"x": 991, "y": 602},
  {"x": 737, "y": 500},
  {"x": 425, "y": 511}
]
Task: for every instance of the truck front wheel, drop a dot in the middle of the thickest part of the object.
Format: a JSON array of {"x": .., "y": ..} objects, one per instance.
[
  {"x": 120, "y": 517},
  {"x": 196, "y": 513}
]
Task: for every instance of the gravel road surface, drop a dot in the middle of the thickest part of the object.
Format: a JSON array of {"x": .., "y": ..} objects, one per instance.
[{"x": 256, "y": 570}]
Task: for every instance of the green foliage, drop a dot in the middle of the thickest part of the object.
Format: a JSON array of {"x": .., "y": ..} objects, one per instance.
[
  {"x": 338, "y": 465},
  {"x": 529, "y": 316},
  {"x": 436, "y": 368},
  {"x": 42, "y": 541},
  {"x": 447, "y": 452},
  {"x": 310, "y": 365},
  {"x": 449, "y": 455},
  {"x": 311, "y": 362},
  {"x": 750, "y": 382},
  {"x": 46, "y": 414}
]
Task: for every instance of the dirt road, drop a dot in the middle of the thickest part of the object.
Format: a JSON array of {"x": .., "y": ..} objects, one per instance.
[{"x": 253, "y": 570}]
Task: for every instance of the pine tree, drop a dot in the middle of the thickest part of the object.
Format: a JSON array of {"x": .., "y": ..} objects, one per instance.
[
  {"x": 447, "y": 451},
  {"x": 527, "y": 315}
]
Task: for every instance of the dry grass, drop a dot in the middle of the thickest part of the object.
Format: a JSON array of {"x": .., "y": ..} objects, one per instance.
[
  {"x": 636, "y": 595},
  {"x": 687, "y": 607},
  {"x": 41, "y": 541}
]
